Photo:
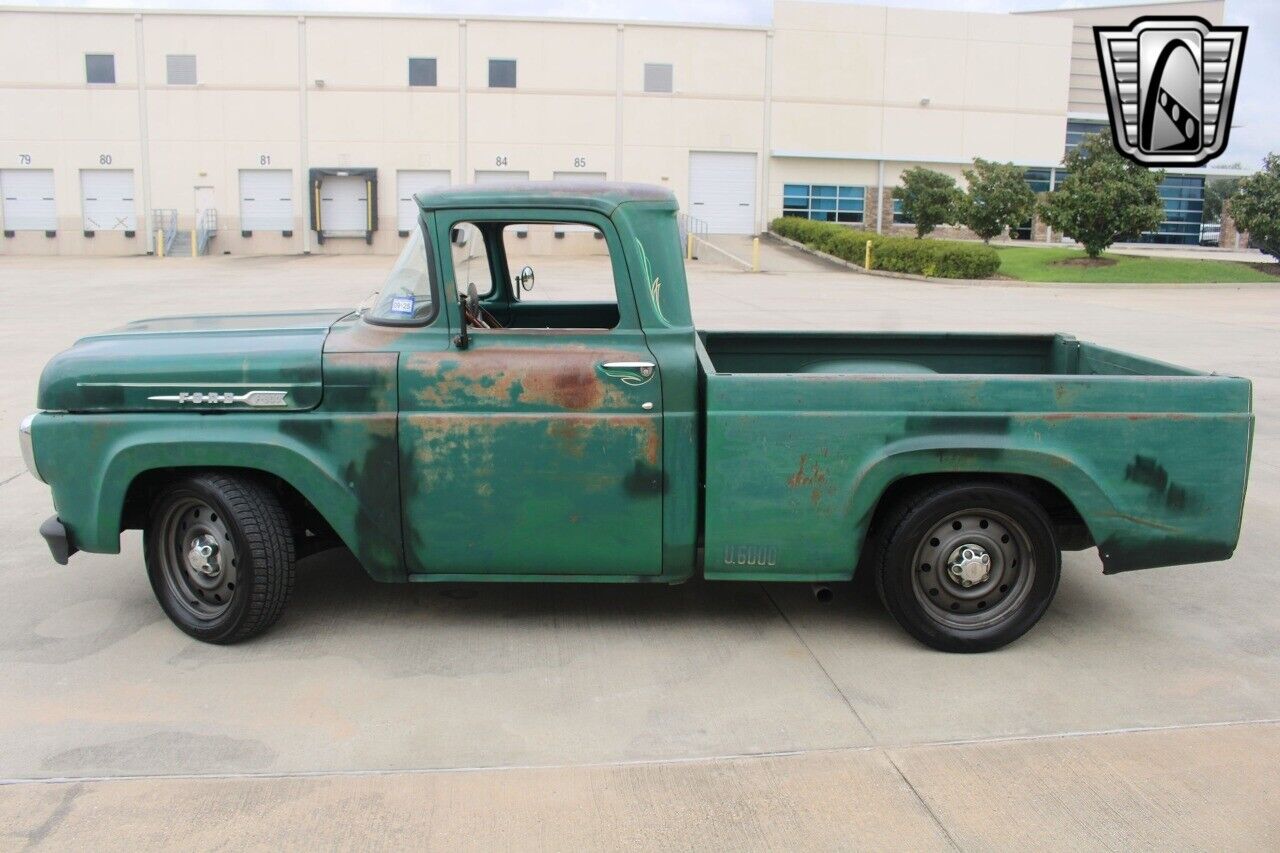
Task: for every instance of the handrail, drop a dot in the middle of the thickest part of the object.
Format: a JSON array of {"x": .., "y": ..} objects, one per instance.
[
  {"x": 166, "y": 220},
  {"x": 206, "y": 230}
]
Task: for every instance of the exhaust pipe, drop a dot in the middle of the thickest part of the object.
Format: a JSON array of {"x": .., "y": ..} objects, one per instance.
[{"x": 823, "y": 593}]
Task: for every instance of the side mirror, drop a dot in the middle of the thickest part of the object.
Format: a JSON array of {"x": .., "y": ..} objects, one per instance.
[
  {"x": 525, "y": 280},
  {"x": 458, "y": 236}
]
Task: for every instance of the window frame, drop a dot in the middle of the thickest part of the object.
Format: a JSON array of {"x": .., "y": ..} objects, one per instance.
[
  {"x": 514, "y": 72},
  {"x": 446, "y": 220},
  {"x": 435, "y": 72},
  {"x": 435, "y": 273},
  {"x": 88, "y": 71},
  {"x": 837, "y": 196},
  {"x": 671, "y": 77}
]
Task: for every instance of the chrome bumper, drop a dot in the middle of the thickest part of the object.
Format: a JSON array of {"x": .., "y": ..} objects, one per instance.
[{"x": 28, "y": 449}]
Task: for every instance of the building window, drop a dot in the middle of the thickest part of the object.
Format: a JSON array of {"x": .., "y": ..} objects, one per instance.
[
  {"x": 1038, "y": 181},
  {"x": 1078, "y": 129},
  {"x": 180, "y": 69},
  {"x": 657, "y": 77},
  {"x": 900, "y": 218},
  {"x": 502, "y": 73},
  {"x": 100, "y": 67},
  {"x": 824, "y": 202},
  {"x": 1183, "y": 197},
  {"x": 422, "y": 71}
]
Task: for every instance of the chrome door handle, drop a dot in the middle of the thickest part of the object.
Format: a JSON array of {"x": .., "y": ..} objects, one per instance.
[{"x": 630, "y": 372}]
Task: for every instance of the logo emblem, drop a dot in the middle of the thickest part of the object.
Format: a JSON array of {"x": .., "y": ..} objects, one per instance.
[
  {"x": 1170, "y": 85},
  {"x": 256, "y": 399}
]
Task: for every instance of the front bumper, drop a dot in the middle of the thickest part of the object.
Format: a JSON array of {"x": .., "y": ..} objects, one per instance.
[
  {"x": 28, "y": 448},
  {"x": 55, "y": 534}
]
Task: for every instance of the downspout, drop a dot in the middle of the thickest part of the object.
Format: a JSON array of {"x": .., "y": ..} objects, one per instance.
[
  {"x": 619, "y": 69},
  {"x": 304, "y": 164},
  {"x": 880, "y": 198},
  {"x": 766, "y": 152},
  {"x": 144, "y": 160}
]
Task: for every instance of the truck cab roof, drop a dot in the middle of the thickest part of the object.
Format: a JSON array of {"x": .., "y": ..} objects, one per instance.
[{"x": 600, "y": 196}]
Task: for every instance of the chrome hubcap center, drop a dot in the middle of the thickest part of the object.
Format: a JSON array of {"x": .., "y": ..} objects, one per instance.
[
  {"x": 969, "y": 564},
  {"x": 202, "y": 556}
]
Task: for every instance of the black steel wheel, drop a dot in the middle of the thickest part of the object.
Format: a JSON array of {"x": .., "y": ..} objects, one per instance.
[
  {"x": 967, "y": 568},
  {"x": 220, "y": 556}
]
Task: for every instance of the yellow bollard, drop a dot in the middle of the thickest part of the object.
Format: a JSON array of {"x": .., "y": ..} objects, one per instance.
[
  {"x": 755, "y": 254},
  {"x": 688, "y": 252},
  {"x": 194, "y": 248},
  {"x": 159, "y": 243},
  {"x": 866, "y": 264}
]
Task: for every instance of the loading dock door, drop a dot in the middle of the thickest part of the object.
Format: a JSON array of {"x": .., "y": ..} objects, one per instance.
[
  {"x": 409, "y": 182},
  {"x": 107, "y": 200},
  {"x": 28, "y": 200},
  {"x": 344, "y": 205},
  {"x": 493, "y": 176},
  {"x": 722, "y": 191},
  {"x": 266, "y": 200}
]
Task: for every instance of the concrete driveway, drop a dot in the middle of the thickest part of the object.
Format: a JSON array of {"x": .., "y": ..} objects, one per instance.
[{"x": 1144, "y": 711}]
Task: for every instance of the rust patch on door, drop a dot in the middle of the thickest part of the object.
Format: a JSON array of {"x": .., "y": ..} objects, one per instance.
[{"x": 565, "y": 378}]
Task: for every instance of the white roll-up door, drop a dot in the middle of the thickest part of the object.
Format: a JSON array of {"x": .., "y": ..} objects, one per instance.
[
  {"x": 28, "y": 200},
  {"x": 410, "y": 182},
  {"x": 107, "y": 200},
  {"x": 722, "y": 191},
  {"x": 344, "y": 204},
  {"x": 266, "y": 200},
  {"x": 492, "y": 176}
]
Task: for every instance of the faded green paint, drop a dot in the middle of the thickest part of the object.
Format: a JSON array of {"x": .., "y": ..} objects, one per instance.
[{"x": 521, "y": 457}]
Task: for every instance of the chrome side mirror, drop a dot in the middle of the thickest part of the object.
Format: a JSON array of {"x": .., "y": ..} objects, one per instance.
[{"x": 525, "y": 280}]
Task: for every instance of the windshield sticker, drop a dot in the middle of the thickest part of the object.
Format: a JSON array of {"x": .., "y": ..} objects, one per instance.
[{"x": 402, "y": 305}]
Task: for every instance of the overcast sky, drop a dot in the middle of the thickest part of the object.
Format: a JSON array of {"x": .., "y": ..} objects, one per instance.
[{"x": 1257, "y": 121}]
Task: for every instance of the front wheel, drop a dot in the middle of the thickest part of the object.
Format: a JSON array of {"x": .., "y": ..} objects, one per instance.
[
  {"x": 220, "y": 556},
  {"x": 968, "y": 568}
]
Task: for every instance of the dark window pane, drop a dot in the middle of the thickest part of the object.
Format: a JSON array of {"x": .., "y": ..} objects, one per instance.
[
  {"x": 100, "y": 67},
  {"x": 657, "y": 77},
  {"x": 422, "y": 71},
  {"x": 502, "y": 73}
]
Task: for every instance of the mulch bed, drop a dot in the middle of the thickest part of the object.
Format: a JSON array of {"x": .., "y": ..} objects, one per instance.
[
  {"x": 1084, "y": 262},
  {"x": 1269, "y": 268}
]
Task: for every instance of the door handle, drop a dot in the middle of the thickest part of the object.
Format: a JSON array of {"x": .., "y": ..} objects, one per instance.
[{"x": 630, "y": 372}]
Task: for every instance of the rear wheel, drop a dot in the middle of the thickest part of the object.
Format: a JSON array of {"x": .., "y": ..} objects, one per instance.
[
  {"x": 967, "y": 568},
  {"x": 220, "y": 556}
]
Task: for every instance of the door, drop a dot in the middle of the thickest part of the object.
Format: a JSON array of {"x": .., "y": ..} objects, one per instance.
[
  {"x": 410, "y": 182},
  {"x": 344, "y": 204},
  {"x": 722, "y": 191},
  {"x": 533, "y": 451},
  {"x": 266, "y": 200},
  {"x": 204, "y": 201},
  {"x": 28, "y": 200},
  {"x": 107, "y": 200}
]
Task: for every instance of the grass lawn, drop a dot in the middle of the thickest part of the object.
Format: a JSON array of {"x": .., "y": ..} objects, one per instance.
[{"x": 1039, "y": 265}]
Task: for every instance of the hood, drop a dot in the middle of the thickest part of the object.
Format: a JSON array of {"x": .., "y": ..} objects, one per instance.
[{"x": 193, "y": 363}]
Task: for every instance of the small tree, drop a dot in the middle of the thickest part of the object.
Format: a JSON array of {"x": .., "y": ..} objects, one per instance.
[
  {"x": 1104, "y": 197},
  {"x": 929, "y": 199},
  {"x": 998, "y": 198},
  {"x": 1256, "y": 206}
]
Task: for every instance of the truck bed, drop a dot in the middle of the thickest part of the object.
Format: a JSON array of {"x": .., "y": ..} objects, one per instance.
[{"x": 804, "y": 432}]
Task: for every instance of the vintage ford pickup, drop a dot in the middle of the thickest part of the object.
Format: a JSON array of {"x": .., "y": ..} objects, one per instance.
[{"x": 455, "y": 427}]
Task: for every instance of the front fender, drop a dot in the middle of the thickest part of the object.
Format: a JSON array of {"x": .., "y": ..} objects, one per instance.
[{"x": 344, "y": 464}]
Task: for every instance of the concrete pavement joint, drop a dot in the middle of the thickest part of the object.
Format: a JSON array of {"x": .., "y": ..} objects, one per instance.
[
  {"x": 787, "y": 619},
  {"x": 937, "y": 821},
  {"x": 640, "y": 762}
]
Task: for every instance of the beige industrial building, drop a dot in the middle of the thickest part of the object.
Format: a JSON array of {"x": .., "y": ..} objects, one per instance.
[{"x": 284, "y": 133}]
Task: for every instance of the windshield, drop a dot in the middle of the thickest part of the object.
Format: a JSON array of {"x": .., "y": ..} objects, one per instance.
[{"x": 405, "y": 297}]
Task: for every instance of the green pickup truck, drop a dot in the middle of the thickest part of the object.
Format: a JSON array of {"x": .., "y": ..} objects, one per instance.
[{"x": 465, "y": 425}]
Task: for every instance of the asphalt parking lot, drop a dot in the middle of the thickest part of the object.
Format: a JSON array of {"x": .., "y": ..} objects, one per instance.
[{"x": 1144, "y": 711}]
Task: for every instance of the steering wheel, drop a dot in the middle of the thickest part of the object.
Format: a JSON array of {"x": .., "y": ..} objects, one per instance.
[{"x": 474, "y": 315}]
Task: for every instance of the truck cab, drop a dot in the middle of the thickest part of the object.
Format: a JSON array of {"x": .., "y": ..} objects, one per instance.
[{"x": 527, "y": 399}]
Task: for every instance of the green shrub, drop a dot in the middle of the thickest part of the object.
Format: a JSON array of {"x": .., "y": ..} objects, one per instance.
[{"x": 939, "y": 258}]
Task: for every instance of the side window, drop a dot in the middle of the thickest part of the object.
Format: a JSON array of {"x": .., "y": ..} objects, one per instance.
[
  {"x": 571, "y": 263},
  {"x": 470, "y": 259}
]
